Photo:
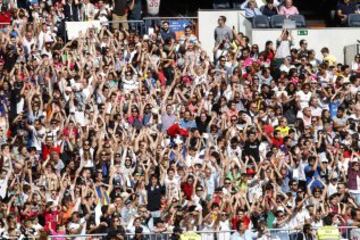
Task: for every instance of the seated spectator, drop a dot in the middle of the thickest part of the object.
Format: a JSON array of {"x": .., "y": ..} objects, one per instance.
[
  {"x": 288, "y": 9},
  {"x": 251, "y": 9},
  {"x": 343, "y": 9},
  {"x": 221, "y": 4},
  {"x": 269, "y": 9},
  {"x": 262, "y": 3}
]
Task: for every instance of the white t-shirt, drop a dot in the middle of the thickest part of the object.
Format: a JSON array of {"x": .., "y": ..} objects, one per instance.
[
  {"x": 37, "y": 137},
  {"x": 153, "y": 7},
  {"x": 172, "y": 186},
  {"x": 304, "y": 98},
  {"x": 316, "y": 111}
]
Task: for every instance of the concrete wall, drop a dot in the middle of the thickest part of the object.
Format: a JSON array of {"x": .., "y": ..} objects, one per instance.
[
  {"x": 207, "y": 22},
  {"x": 336, "y": 39},
  {"x": 333, "y": 38}
]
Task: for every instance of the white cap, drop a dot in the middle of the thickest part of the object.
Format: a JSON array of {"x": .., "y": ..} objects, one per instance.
[
  {"x": 178, "y": 140},
  {"x": 334, "y": 175},
  {"x": 280, "y": 209},
  {"x": 48, "y": 38},
  {"x": 155, "y": 110}
]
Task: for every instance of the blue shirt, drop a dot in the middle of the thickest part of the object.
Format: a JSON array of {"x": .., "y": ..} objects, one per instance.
[
  {"x": 333, "y": 107},
  {"x": 187, "y": 124}
]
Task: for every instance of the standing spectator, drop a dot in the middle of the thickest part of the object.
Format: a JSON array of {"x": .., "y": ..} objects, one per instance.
[
  {"x": 135, "y": 13},
  {"x": 288, "y": 9},
  {"x": 303, "y": 51},
  {"x": 87, "y": 11},
  {"x": 166, "y": 33},
  {"x": 154, "y": 193},
  {"x": 120, "y": 13},
  {"x": 153, "y": 7},
  {"x": 71, "y": 11},
  {"x": 222, "y": 32},
  {"x": 283, "y": 44}
]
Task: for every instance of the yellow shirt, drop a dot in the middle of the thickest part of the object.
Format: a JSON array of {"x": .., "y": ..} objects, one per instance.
[
  {"x": 284, "y": 131},
  {"x": 190, "y": 236},
  {"x": 328, "y": 233},
  {"x": 330, "y": 59}
]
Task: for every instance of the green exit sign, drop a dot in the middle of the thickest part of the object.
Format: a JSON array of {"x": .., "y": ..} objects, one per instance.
[{"x": 302, "y": 32}]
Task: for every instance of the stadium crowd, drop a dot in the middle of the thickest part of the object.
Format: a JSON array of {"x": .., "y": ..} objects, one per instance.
[{"x": 116, "y": 132}]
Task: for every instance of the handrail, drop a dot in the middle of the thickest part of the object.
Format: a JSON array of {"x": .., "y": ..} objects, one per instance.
[
  {"x": 78, "y": 235},
  {"x": 169, "y": 18},
  {"x": 198, "y": 232}
]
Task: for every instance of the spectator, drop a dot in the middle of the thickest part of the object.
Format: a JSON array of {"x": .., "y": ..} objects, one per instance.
[
  {"x": 251, "y": 10},
  {"x": 288, "y": 9},
  {"x": 343, "y": 9},
  {"x": 135, "y": 13},
  {"x": 283, "y": 43},
  {"x": 71, "y": 11},
  {"x": 222, "y": 32},
  {"x": 303, "y": 51},
  {"x": 126, "y": 134},
  {"x": 153, "y": 7},
  {"x": 327, "y": 57},
  {"x": 355, "y": 65},
  {"x": 221, "y": 4},
  {"x": 166, "y": 33},
  {"x": 87, "y": 11},
  {"x": 188, "y": 36},
  {"x": 120, "y": 13},
  {"x": 269, "y": 9}
]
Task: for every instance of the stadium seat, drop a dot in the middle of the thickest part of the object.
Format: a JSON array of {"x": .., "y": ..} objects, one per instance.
[
  {"x": 299, "y": 20},
  {"x": 354, "y": 20},
  {"x": 277, "y": 21},
  {"x": 260, "y": 21}
]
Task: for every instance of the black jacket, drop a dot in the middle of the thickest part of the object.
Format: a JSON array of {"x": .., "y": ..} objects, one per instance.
[{"x": 72, "y": 12}]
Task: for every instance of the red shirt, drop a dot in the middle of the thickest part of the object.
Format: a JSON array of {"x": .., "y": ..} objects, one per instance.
[
  {"x": 68, "y": 131},
  {"x": 236, "y": 219},
  {"x": 46, "y": 151},
  {"x": 277, "y": 142},
  {"x": 5, "y": 17},
  {"x": 187, "y": 189},
  {"x": 51, "y": 219}
]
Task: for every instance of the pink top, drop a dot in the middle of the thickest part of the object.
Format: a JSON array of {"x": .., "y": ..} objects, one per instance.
[{"x": 288, "y": 11}]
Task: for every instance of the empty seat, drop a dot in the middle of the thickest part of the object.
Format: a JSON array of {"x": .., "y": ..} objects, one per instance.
[
  {"x": 299, "y": 20},
  {"x": 277, "y": 21},
  {"x": 260, "y": 21},
  {"x": 354, "y": 20}
]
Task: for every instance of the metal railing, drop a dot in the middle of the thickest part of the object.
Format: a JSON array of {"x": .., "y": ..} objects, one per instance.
[
  {"x": 142, "y": 26},
  {"x": 347, "y": 232},
  {"x": 205, "y": 235}
]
